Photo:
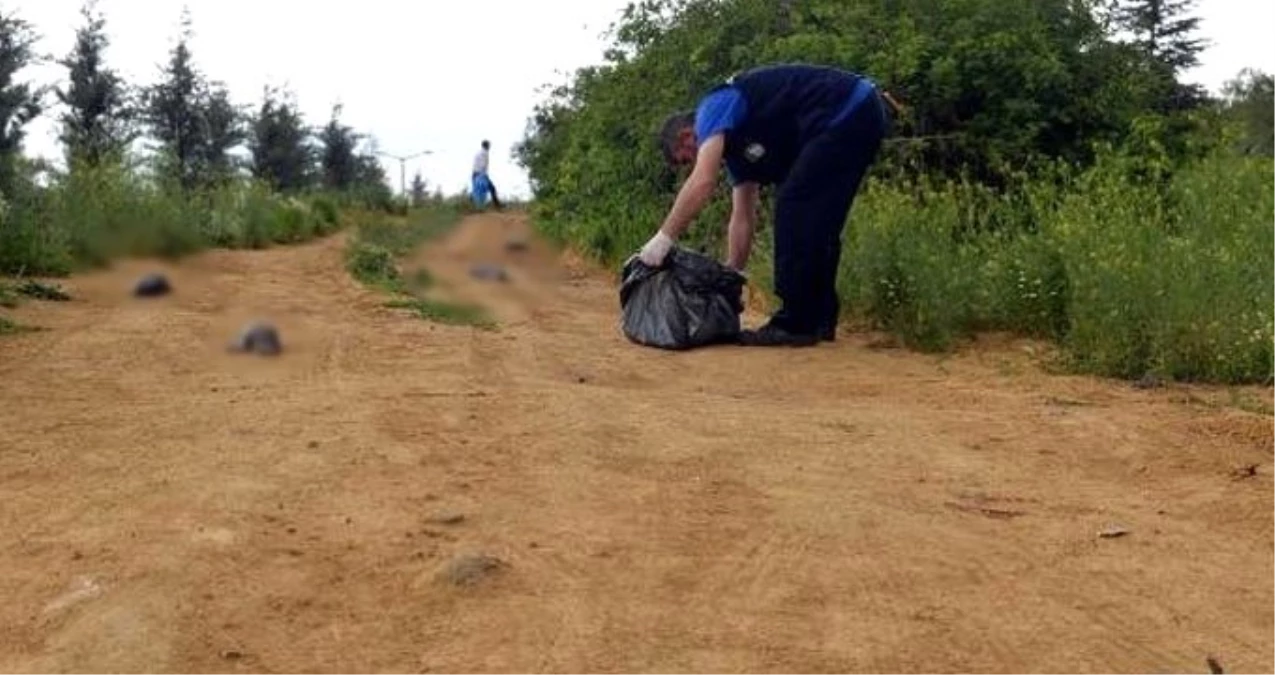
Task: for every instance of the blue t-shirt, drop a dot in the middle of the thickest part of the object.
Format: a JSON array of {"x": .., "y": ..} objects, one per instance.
[{"x": 720, "y": 111}]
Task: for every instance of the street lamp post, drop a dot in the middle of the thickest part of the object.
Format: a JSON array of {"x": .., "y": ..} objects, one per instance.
[{"x": 402, "y": 167}]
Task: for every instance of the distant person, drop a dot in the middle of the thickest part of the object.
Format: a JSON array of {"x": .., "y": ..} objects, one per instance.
[
  {"x": 481, "y": 179},
  {"x": 813, "y": 131}
]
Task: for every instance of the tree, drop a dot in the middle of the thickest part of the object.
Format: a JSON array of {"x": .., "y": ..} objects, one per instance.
[
  {"x": 97, "y": 122},
  {"x": 370, "y": 180},
  {"x": 221, "y": 130},
  {"x": 339, "y": 165},
  {"x": 172, "y": 111},
  {"x": 1162, "y": 30},
  {"x": 992, "y": 90},
  {"x": 369, "y": 171},
  {"x": 420, "y": 191},
  {"x": 1247, "y": 99},
  {"x": 279, "y": 143},
  {"x": 1165, "y": 34},
  {"x": 19, "y": 102},
  {"x": 194, "y": 120}
]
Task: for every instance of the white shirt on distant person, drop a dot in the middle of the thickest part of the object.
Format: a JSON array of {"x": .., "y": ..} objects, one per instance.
[{"x": 480, "y": 162}]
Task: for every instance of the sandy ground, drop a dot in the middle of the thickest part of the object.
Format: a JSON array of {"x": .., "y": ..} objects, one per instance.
[{"x": 395, "y": 495}]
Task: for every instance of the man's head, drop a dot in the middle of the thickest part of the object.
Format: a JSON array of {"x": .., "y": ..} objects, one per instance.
[
  {"x": 486, "y": 145},
  {"x": 677, "y": 139}
]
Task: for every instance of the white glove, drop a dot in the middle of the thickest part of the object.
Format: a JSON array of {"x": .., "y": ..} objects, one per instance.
[{"x": 653, "y": 254}]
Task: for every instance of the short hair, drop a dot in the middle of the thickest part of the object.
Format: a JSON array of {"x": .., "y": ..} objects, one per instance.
[
  {"x": 672, "y": 130},
  {"x": 486, "y": 145}
]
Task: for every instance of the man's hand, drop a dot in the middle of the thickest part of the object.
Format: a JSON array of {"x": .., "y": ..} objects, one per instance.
[{"x": 653, "y": 254}]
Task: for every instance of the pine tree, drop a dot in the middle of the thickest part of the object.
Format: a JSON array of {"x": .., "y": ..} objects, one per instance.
[
  {"x": 193, "y": 119},
  {"x": 19, "y": 102},
  {"x": 221, "y": 130},
  {"x": 1163, "y": 30},
  {"x": 96, "y": 124},
  {"x": 1165, "y": 34},
  {"x": 339, "y": 164},
  {"x": 172, "y": 111},
  {"x": 1247, "y": 101},
  {"x": 279, "y": 143}
]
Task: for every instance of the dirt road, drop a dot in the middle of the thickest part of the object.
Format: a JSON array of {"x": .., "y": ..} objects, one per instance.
[{"x": 168, "y": 506}]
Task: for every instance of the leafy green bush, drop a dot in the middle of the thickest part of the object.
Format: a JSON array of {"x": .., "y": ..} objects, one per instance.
[
  {"x": 327, "y": 211},
  {"x": 1184, "y": 293},
  {"x": 372, "y": 264}
]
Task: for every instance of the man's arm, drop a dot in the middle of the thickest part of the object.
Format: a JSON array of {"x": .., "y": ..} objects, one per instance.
[
  {"x": 697, "y": 189},
  {"x": 743, "y": 223}
]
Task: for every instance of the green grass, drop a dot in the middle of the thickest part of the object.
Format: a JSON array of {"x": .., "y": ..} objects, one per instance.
[
  {"x": 91, "y": 216},
  {"x": 420, "y": 281},
  {"x": 1251, "y": 403},
  {"x": 373, "y": 254},
  {"x": 445, "y": 312},
  {"x": 373, "y": 265},
  {"x": 11, "y": 294},
  {"x": 10, "y": 327},
  {"x": 1130, "y": 280},
  {"x": 39, "y": 290}
]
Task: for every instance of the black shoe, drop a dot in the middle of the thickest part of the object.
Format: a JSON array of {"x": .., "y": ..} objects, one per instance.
[{"x": 771, "y": 335}]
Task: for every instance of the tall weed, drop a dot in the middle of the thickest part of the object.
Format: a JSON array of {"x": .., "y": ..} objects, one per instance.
[{"x": 92, "y": 215}]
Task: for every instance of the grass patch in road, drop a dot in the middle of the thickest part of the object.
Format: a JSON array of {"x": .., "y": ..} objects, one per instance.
[
  {"x": 372, "y": 258},
  {"x": 373, "y": 265},
  {"x": 11, "y": 294},
  {"x": 420, "y": 281},
  {"x": 10, "y": 327},
  {"x": 445, "y": 312},
  {"x": 39, "y": 290}
]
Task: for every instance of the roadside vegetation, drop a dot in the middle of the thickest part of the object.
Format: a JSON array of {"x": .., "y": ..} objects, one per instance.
[
  {"x": 1046, "y": 177},
  {"x": 164, "y": 168}
]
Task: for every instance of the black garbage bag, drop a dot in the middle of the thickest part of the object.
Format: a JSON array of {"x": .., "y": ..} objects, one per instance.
[{"x": 689, "y": 301}]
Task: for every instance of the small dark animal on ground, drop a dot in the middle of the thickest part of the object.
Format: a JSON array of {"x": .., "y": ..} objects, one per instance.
[
  {"x": 258, "y": 337},
  {"x": 152, "y": 285}
]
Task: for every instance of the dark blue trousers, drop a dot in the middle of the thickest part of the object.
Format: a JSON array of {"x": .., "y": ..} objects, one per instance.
[{"x": 810, "y": 214}]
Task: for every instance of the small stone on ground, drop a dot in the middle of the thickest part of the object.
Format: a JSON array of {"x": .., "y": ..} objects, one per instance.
[
  {"x": 469, "y": 569},
  {"x": 488, "y": 272},
  {"x": 447, "y": 518}
]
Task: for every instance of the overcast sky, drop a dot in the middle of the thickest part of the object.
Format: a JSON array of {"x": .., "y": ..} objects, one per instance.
[{"x": 436, "y": 75}]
